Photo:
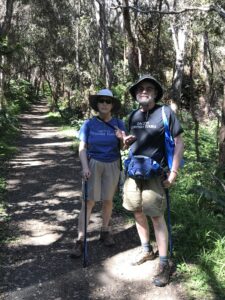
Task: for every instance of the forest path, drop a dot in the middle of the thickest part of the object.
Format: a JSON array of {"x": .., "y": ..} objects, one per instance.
[{"x": 44, "y": 201}]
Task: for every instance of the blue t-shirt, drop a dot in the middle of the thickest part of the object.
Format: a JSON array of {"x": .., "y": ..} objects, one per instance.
[{"x": 102, "y": 143}]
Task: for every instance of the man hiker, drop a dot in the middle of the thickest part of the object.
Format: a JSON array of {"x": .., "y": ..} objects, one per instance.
[{"x": 146, "y": 198}]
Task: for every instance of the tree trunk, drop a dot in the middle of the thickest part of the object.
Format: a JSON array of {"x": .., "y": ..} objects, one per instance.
[
  {"x": 104, "y": 43},
  {"x": 133, "y": 54},
  {"x": 179, "y": 36},
  {"x": 193, "y": 106},
  {"x": 4, "y": 29},
  {"x": 179, "y": 39},
  {"x": 222, "y": 136},
  {"x": 157, "y": 50},
  {"x": 77, "y": 44}
]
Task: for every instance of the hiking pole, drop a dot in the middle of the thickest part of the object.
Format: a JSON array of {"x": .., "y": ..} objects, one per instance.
[
  {"x": 85, "y": 250},
  {"x": 169, "y": 222}
]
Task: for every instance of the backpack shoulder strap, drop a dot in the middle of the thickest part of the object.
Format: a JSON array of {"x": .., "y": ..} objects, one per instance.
[
  {"x": 106, "y": 123},
  {"x": 165, "y": 121},
  {"x": 169, "y": 141},
  {"x": 111, "y": 126},
  {"x": 130, "y": 117}
]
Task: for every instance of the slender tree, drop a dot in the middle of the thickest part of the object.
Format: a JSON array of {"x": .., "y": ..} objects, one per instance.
[{"x": 5, "y": 25}]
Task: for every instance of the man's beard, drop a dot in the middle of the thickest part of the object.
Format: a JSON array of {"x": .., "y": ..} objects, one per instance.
[{"x": 146, "y": 101}]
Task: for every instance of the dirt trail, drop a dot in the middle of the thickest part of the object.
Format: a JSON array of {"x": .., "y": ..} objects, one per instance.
[{"x": 44, "y": 201}]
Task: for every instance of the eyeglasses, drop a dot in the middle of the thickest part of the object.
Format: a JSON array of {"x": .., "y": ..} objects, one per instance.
[
  {"x": 103, "y": 100},
  {"x": 148, "y": 89}
]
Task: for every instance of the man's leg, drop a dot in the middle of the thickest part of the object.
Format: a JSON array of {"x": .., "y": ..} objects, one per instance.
[
  {"x": 142, "y": 226},
  {"x": 143, "y": 232},
  {"x": 161, "y": 234}
]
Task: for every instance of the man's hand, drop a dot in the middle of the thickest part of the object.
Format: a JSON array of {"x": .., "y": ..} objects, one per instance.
[
  {"x": 129, "y": 139},
  {"x": 171, "y": 177},
  {"x": 126, "y": 139}
]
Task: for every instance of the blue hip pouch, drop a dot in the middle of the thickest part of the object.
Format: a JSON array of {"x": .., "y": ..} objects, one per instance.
[{"x": 141, "y": 167}]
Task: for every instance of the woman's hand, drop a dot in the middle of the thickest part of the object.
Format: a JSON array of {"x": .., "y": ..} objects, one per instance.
[
  {"x": 120, "y": 134},
  {"x": 86, "y": 173}
]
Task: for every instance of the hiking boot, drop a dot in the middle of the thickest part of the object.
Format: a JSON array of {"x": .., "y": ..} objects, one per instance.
[
  {"x": 77, "y": 250},
  {"x": 163, "y": 276},
  {"x": 143, "y": 257},
  {"x": 107, "y": 238}
]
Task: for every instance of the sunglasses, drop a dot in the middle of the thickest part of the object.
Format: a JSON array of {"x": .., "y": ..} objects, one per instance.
[{"x": 107, "y": 101}]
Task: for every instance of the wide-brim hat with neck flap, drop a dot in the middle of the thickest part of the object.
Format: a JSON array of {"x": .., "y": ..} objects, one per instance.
[
  {"x": 104, "y": 93},
  {"x": 150, "y": 78}
]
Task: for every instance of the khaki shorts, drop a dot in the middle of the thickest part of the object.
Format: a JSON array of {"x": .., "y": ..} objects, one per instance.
[
  {"x": 104, "y": 179},
  {"x": 145, "y": 195}
]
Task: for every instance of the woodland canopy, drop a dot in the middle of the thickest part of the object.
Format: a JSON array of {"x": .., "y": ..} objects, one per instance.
[{"x": 67, "y": 49}]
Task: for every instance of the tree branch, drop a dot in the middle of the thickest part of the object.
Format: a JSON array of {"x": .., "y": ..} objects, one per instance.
[
  {"x": 219, "y": 181},
  {"x": 206, "y": 8}
]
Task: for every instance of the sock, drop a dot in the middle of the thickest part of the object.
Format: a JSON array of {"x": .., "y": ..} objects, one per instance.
[
  {"x": 163, "y": 260},
  {"x": 146, "y": 247}
]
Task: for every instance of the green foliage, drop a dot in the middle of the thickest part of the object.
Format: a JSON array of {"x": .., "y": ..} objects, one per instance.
[
  {"x": 75, "y": 146},
  {"x": 7, "y": 150},
  {"x": 20, "y": 93},
  {"x": 119, "y": 91},
  {"x": 2, "y": 192},
  {"x": 77, "y": 124},
  {"x": 7, "y": 49},
  {"x": 8, "y": 134},
  {"x": 8, "y": 119},
  {"x": 55, "y": 118},
  {"x": 46, "y": 90},
  {"x": 205, "y": 183},
  {"x": 204, "y": 278},
  {"x": 198, "y": 221},
  {"x": 4, "y": 236}
]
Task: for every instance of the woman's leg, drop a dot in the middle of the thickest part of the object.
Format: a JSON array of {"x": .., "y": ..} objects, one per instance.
[
  {"x": 106, "y": 212},
  {"x": 90, "y": 205}
]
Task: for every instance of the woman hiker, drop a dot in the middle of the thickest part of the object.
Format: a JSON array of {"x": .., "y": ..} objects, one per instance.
[{"x": 99, "y": 152}]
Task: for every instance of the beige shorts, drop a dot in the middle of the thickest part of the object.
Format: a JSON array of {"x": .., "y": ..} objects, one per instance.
[
  {"x": 104, "y": 179},
  {"x": 145, "y": 195}
]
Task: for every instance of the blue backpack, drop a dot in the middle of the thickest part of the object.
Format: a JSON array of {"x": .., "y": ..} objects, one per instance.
[{"x": 169, "y": 141}]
